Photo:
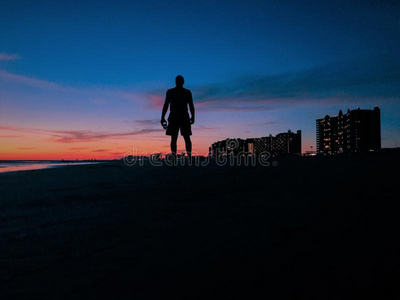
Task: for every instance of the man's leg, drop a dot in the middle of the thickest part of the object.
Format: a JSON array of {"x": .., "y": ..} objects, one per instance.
[
  {"x": 188, "y": 144},
  {"x": 174, "y": 138}
]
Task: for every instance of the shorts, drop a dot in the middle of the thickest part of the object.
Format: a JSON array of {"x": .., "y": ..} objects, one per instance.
[{"x": 174, "y": 124}]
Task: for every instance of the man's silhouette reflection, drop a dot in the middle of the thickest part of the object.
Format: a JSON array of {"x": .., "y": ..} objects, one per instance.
[{"x": 178, "y": 98}]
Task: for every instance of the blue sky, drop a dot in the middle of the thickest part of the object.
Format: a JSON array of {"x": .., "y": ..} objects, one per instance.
[{"x": 255, "y": 67}]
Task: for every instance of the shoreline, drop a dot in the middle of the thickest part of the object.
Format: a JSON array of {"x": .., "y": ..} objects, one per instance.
[{"x": 23, "y": 167}]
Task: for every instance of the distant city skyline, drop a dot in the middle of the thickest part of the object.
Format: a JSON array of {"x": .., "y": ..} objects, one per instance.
[
  {"x": 284, "y": 143},
  {"x": 87, "y": 80}
]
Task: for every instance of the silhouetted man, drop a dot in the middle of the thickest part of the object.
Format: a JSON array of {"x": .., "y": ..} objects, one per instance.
[{"x": 178, "y": 98}]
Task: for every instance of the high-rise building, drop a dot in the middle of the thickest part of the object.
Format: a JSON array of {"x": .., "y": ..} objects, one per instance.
[
  {"x": 286, "y": 143},
  {"x": 283, "y": 143},
  {"x": 358, "y": 130}
]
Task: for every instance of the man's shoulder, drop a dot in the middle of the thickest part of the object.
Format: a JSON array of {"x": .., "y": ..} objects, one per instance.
[
  {"x": 172, "y": 90},
  {"x": 187, "y": 91}
]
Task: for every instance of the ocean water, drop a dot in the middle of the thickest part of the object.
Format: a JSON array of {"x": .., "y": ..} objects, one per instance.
[{"x": 24, "y": 165}]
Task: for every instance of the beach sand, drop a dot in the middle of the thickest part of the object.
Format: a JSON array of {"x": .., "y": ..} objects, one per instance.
[{"x": 309, "y": 228}]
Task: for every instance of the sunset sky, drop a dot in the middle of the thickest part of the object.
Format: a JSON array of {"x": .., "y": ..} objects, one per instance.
[{"x": 81, "y": 81}]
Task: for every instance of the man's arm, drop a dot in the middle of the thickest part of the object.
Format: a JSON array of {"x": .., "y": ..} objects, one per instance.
[
  {"x": 165, "y": 108},
  {"x": 191, "y": 107}
]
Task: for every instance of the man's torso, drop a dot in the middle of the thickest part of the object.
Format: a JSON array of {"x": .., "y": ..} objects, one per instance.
[{"x": 179, "y": 99}]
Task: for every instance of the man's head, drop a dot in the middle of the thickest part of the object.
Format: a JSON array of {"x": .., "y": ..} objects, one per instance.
[{"x": 179, "y": 81}]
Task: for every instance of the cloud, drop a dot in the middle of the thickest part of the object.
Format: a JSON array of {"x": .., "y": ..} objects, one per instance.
[
  {"x": 378, "y": 77},
  {"x": 10, "y": 136},
  {"x": 117, "y": 153},
  {"x": 93, "y": 94},
  {"x": 7, "y": 57},
  {"x": 25, "y": 148},
  {"x": 73, "y": 136},
  {"x": 358, "y": 81},
  {"x": 148, "y": 122},
  {"x": 265, "y": 123},
  {"x": 156, "y": 101},
  {"x": 102, "y": 151},
  {"x": 78, "y": 148},
  {"x": 96, "y": 95},
  {"x": 201, "y": 127},
  {"x": 30, "y": 81},
  {"x": 85, "y": 136},
  {"x": 232, "y": 105}
]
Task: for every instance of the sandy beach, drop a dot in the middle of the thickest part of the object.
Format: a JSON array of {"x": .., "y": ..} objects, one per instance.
[{"x": 308, "y": 228}]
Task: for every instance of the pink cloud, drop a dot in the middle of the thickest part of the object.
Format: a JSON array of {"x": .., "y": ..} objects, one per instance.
[
  {"x": 72, "y": 136},
  {"x": 29, "y": 80},
  {"x": 156, "y": 101},
  {"x": 10, "y": 136},
  {"x": 7, "y": 57},
  {"x": 78, "y": 148},
  {"x": 153, "y": 99}
]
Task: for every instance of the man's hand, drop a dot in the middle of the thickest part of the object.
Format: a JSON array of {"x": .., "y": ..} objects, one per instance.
[
  {"x": 192, "y": 120},
  {"x": 163, "y": 121}
]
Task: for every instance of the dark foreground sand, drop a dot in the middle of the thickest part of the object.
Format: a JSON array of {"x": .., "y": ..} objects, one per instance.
[{"x": 310, "y": 228}]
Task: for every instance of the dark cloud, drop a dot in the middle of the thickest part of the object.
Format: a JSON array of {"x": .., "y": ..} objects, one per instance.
[
  {"x": 378, "y": 78},
  {"x": 79, "y": 136},
  {"x": 71, "y": 136},
  {"x": 201, "y": 127},
  {"x": 265, "y": 123},
  {"x": 148, "y": 122}
]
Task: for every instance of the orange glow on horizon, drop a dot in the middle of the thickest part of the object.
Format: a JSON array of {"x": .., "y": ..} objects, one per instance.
[
  {"x": 36, "y": 145},
  {"x": 29, "y": 146}
]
